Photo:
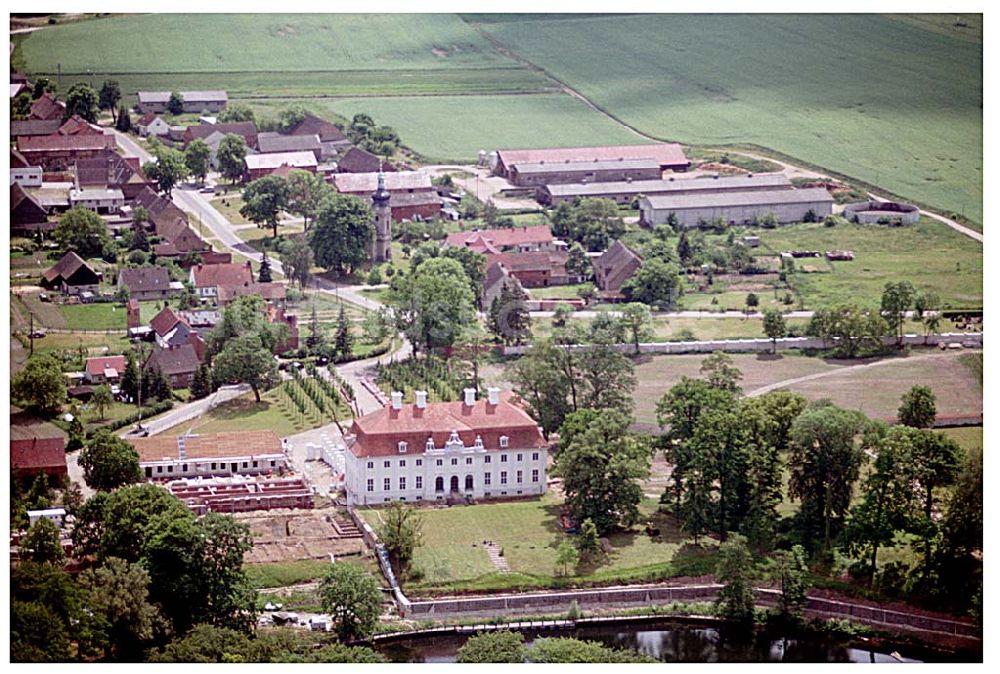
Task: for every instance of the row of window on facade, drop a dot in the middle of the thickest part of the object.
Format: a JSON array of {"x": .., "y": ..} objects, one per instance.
[
  {"x": 404, "y": 446},
  {"x": 439, "y": 482},
  {"x": 440, "y": 462},
  {"x": 216, "y": 465}
]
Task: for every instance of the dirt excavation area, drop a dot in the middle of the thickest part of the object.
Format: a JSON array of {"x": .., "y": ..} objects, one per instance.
[{"x": 289, "y": 535}]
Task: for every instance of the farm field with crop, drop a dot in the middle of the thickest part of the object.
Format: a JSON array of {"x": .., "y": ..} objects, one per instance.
[
  {"x": 455, "y": 128},
  {"x": 903, "y": 111}
]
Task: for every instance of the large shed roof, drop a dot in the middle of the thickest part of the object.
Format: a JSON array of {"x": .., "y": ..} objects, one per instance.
[{"x": 735, "y": 199}]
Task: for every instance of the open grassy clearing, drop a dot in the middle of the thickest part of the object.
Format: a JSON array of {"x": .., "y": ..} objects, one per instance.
[
  {"x": 452, "y": 556},
  {"x": 876, "y": 391},
  {"x": 676, "y": 329},
  {"x": 103, "y": 316},
  {"x": 929, "y": 254},
  {"x": 230, "y": 206},
  {"x": 282, "y": 574},
  {"x": 456, "y": 128},
  {"x": 95, "y": 344},
  {"x": 903, "y": 112},
  {"x": 968, "y": 437},
  {"x": 272, "y": 43}
]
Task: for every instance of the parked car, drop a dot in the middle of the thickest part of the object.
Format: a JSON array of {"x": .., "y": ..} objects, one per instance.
[{"x": 43, "y": 297}]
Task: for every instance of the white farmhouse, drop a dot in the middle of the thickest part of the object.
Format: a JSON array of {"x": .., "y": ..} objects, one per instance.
[{"x": 426, "y": 451}]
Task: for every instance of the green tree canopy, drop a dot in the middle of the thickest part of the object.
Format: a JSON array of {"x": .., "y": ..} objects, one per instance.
[
  {"x": 657, "y": 283},
  {"x": 918, "y": 407},
  {"x": 601, "y": 465},
  {"x": 229, "y": 156},
  {"x": 774, "y": 327},
  {"x": 737, "y": 572},
  {"x": 82, "y": 100},
  {"x": 41, "y": 544},
  {"x": 175, "y": 104},
  {"x": 433, "y": 303},
  {"x": 41, "y": 384},
  {"x": 400, "y": 533},
  {"x": 109, "y": 97},
  {"x": 245, "y": 359},
  {"x": 353, "y": 599},
  {"x": 297, "y": 260},
  {"x": 83, "y": 231},
  {"x": 342, "y": 234},
  {"x": 306, "y": 192},
  {"x": 499, "y": 646},
  {"x": 109, "y": 462},
  {"x": 263, "y": 201},
  {"x": 168, "y": 170},
  {"x": 197, "y": 156}
]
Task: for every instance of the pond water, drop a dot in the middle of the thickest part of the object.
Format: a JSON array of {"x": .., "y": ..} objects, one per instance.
[{"x": 668, "y": 642}]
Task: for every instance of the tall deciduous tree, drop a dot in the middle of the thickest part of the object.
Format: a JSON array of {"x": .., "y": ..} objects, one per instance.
[
  {"x": 432, "y": 303},
  {"x": 657, "y": 283},
  {"x": 737, "y": 572},
  {"x": 229, "y": 156},
  {"x": 720, "y": 372},
  {"x": 638, "y": 322},
  {"x": 263, "y": 201},
  {"x": 306, "y": 191},
  {"x": 297, "y": 260},
  {"x": 197, "y": 156},
  {"x": 168, "y": 170},
  {"x": 935, "y": 462},
  {"x": 824, "y": 464},
  {"x": 109, "y": 97},
  {"x": 897, "y": 299},
  {"x": 109, "y": 462},
  {"x": 102, "y": 399},
  {"x": 793, "y": 578},
  {"x": 83, "y": 231},
  {"x": 918, "y": 408},
  {"x": 400, "y": 532},
  {"x": 774, "y": 327},
  {"x": 82, "y": 100},
  {"x": 175, "y": 104},
  {"x": 118, "y": 592},
  {"x": 40, "y": 384},
  {"x": 601, "y": 464},
  {"x": 41, "y": 544},
  {"x": 342, "y": 233},
  {"x": 245, "y": 359},
  {"x": 353, "y": 599}
]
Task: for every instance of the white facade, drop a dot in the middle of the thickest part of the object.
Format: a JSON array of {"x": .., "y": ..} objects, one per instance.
[
  {"x": 158, "y": 127},
  {"x": 173, "y": 467},
  {"x": 99, "y": 201},
  {"x": 28, "y": 176},
  {"x": 435, "y": 473}
]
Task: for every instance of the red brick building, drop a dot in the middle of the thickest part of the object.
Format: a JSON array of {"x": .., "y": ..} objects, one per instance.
[
  {"x": 58, "y": 152},
  {"x": 36, "y": 447}
]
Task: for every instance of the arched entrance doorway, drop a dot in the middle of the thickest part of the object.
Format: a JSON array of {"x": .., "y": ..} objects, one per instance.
[
  {"x": 468, "y": 483},
  {"x": 439, "y": 484},
  {"x": 454, "y": 482}
]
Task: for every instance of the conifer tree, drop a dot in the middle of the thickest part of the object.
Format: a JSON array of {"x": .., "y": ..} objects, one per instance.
[
  {"x": 265, "y": 269},
  {"x": 315, "y": 338},
  {"x": 344, "y": 339}
]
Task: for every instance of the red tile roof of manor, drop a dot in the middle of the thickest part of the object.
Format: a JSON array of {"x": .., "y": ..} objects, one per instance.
[{"x": 379, "y": 433}]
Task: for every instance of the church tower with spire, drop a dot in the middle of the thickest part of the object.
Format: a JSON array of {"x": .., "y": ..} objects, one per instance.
[{"x": 382, "y": 243}]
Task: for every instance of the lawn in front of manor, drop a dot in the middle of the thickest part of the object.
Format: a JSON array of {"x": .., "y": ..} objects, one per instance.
[{"x": 452, "y": 556}]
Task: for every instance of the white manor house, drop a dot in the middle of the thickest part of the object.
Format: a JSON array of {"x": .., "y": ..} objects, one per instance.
[{"x": 426, "y": 451}]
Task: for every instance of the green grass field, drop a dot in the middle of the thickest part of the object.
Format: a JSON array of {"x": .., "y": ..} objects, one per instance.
[
  {"x": 452, "y": 556},
  {"x": 889, "y": 102},
  {"x": 929, "y": 254},
  {"x": 104, "y": 316},
  {"x": 455, "y": 128}
]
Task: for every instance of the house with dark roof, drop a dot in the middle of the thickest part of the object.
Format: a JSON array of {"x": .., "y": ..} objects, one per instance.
[
  {"x": 423, "y": 451},
  {"x": 36, "y": 447},
  {"x": 170, "y": 224},
  {"x": 178, "y": 363},
  {"x": 206, "y": 278},
  {"x": 170, "y": 329},
  {"x": 246, "y": 129},
  {"x": 47, "y": 107},
  {"x": 104, "y": 369},
  {"x": 57, "y": 152},
  {"x": 71, "y": 276},
  {"x": 615, "y": 266},
  {"x": 78, "y": 126},
  {"x": 270, "y": 142},
  {"x": 34, "y": 127},
  {"x": 356, "y": 160},
  {"x": 534, "y": 269},
  {"x": 26, "y": 212},
  {"x": 112, "y": 171},
  {"x": 194, "y": 101},
  {"x": 497, "y": 276},
  {"x": 331, "y": 138},
  {"x": 148, "y": 283}
]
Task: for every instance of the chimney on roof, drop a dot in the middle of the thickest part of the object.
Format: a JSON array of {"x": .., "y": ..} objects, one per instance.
[
  {"x": 470, "y": 397},
  {"x": 494, "y": 394},
  {"x": 421, "y": 397},
  {"x": 397, "y": 400}
]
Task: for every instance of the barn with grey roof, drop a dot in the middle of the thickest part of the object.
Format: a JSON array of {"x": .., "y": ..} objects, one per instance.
[{"x": 735, "y": 208}]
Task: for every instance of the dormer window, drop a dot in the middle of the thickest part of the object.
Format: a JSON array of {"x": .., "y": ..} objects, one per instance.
[
  {"x": 504, "y": 441},
  {"x": 479, "y": 442},
  {"x": 430, "y": 444},
  {"x": 402, "y": 447}
]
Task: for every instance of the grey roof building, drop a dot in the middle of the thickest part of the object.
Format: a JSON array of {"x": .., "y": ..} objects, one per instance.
[
  {"x": 624, "y": 191},
  {"x": 269, "y": 142},
  {"x": 194, "y": 101},
  {"x": 735, "y": 208}
]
